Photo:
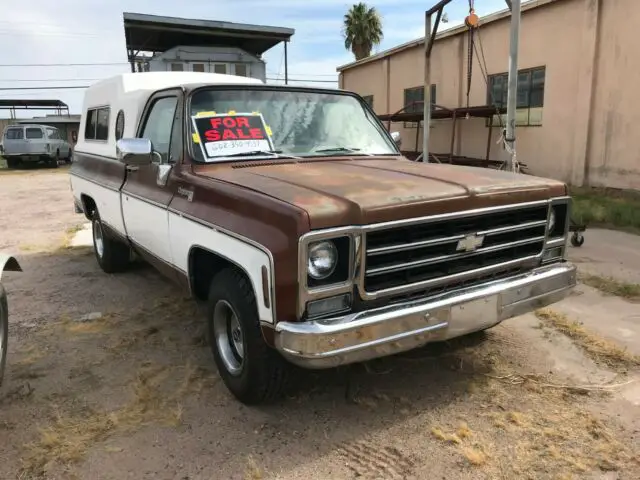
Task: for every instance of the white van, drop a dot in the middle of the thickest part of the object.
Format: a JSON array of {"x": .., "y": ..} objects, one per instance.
[{"x": 34, "y": 143}]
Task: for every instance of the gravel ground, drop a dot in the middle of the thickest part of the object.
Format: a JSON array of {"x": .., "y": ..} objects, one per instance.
[{"x": 132, "y": 392}]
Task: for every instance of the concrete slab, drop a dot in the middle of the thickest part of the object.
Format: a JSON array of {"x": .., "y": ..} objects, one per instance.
[
  {"x": 609, "y": 253},
  {"x": 611, "y": 317}
]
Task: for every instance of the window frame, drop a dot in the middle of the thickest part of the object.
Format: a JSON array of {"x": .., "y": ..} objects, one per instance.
[
  {"x": 177, "y": 125},
  {"x": 417, "y": 89},
  {"x": 96, "y": 109},
  {"x": 190, "y": 151},
  {"x": 368, "y": 99},
  {"x": 43, "y": 135},
  {"x": 495, "y": 120},
  {"x": 16, "y": 128}
]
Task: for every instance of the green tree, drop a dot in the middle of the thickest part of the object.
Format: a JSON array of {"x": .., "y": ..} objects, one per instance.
[{"x": 362, "y": 30}]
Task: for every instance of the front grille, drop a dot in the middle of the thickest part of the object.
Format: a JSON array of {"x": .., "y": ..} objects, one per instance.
[{"x": 426, "y": 253}]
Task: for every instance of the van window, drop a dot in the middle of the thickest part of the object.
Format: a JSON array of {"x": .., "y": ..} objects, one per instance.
[
  {"x": 34, "y": 132},
  {"x": 97, "y": 124},
  {"x": 52, "y": 134},
  {"x": 14, "y": 134}
]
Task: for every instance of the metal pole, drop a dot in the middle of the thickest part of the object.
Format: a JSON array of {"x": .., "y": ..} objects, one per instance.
[
  {"x": 512, "y": 92},
  {"x": 286, "y": 65},
  {"x": 427, "y": 88}
]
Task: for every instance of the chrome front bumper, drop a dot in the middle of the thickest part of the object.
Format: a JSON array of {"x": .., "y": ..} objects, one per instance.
[{"x": 400, "y": 327}]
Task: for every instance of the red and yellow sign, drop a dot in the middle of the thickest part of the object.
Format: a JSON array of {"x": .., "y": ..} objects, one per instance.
[{"x": 231, "y": 133}]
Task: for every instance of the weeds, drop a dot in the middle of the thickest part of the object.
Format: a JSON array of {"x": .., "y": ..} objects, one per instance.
[
  {"x": 598, "y": 348},
  {"x": 607, "y": 207},
  {"x": 611, "y": 286}
]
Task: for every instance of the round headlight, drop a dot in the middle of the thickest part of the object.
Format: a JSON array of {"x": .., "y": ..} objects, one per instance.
[
  {"x": 323, "y": 258},
  {"x": 552, "y": 220}
]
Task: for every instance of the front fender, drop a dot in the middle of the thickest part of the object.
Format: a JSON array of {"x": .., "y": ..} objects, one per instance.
[{"x": 9, "y": 264}]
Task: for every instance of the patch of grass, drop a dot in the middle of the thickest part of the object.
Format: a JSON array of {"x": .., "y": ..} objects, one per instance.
[
  {"x": 474, "y": 456},
  {"x": 598, "y": 348},
  {"x": 68, "y": 439},
  {"x": 611, "y": 286},
  {"x": 445, "y": 437},
  {"x": 607, "y": 208},
  {"x": 252, "y": 472}
]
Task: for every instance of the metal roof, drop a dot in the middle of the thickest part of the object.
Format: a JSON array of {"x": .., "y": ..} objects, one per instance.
[
  {"x": 52, "y": 119},
  {"x": 448, "y": 32},
  {"x": 153, "y": 33},
  {"x": 34, "y": 103},
  {"x": 441, "y": 113}
]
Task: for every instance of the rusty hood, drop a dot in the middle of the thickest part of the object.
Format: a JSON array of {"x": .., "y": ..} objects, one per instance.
[{"x": 351, "y": 191}]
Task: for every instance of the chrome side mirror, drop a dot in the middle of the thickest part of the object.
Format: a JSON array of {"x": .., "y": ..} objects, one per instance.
[
  {"x": 396, "y": 138},
  {"x": 134, "y": 151}
]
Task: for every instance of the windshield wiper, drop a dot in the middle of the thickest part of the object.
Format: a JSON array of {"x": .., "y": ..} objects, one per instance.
[
  {"x": 253, "y": 153},
  {"x": 342, "y": 149}
]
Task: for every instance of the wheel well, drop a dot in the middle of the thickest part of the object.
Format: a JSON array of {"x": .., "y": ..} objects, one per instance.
[
  {"x": 203, "y": 265},
  {"x": 88, "y": 206}
]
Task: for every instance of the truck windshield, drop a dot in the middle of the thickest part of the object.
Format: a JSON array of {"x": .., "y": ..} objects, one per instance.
[{"x": 226, "y": 123}]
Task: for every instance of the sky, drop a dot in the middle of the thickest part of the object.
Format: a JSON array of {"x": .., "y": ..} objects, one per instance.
[{"x": 91, "y": 32}]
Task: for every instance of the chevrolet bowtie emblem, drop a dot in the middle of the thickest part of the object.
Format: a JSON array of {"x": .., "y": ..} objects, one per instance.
[{"x": 470, "y": 243}]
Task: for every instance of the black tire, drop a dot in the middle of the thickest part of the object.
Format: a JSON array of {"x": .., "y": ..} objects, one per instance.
[
  {"x": 4, "y": 331},
  {"x": 12, "y": 163},
  {"x": 54, "y": 162},
  {"x": 263, "y": 373},
  {"x": 112, "y": 255},
  {"x": 577, "y": 239}
]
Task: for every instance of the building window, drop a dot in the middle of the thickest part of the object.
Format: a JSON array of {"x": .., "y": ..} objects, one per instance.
[
  {"x": 368, "y": 100},
  {"x": 241, "y": 69},
  {"x": 97, "y": 124},
  {"x": 177, "y": 67},
  {"x": 529, "y": 99},
  {"x": 198, "y": 67},
  {"x": 414, "y": 102},
  {"x": 220, "y": 68}
]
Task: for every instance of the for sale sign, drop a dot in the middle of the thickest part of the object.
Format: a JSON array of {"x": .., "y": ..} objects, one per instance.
[{"x": 231, "y": 133}]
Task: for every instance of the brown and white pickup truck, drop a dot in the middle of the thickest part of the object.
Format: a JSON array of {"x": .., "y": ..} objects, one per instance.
[{"x": 291, "y": 212}]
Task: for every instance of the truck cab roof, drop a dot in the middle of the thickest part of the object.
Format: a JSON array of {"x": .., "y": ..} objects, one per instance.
[{"x": 129, "y": 92}]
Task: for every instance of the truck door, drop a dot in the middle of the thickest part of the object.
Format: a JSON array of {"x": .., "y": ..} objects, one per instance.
[{"x": 148, "y": 190}]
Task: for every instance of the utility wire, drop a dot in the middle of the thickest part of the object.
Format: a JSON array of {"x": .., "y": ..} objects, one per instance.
[
  {"x": 61, "y": 64},
  {"x": 75, "y": 87}
]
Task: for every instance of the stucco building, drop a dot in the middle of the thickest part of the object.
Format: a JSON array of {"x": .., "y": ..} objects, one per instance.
[{"x": 578, "y": 98}]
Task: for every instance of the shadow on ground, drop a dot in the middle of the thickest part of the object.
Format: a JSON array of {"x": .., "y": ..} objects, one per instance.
[{"x": 133, "y": 388}]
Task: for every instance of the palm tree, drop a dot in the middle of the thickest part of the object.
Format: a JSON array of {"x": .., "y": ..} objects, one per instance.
[{"x": 362, "y": 30}]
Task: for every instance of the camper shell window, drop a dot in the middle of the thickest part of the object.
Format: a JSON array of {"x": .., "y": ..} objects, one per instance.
[{"x": 97, "y": 124}]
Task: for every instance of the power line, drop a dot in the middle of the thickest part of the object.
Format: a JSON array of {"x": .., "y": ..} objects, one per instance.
[
  {"x": 60, "y": 64},
  {"x": 65, "y": 87},
  {"x": 51, "y": 80},
  {"x": 309, "y": 80},
  {"x": 75, "y": 87}
]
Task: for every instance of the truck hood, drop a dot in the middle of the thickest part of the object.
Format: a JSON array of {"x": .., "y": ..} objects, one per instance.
[{"x": 363, "y": 190}]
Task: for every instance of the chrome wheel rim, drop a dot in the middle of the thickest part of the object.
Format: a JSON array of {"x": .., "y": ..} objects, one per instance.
[
  {"x": 229, "y": 337},
  {"x": 98, "y": 241}
]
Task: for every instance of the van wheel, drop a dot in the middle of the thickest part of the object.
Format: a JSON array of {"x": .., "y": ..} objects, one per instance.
[
  {"x": 112, "y": 255},
  {"x": 53, "y": 163},
  {"x": 253, "y": 372},
  {"x": 12, "y": 163}
]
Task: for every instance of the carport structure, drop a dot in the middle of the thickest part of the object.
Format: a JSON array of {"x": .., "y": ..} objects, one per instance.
[
  {"x": 156, "y": 34},
  {"x": 35, "y": 104}
]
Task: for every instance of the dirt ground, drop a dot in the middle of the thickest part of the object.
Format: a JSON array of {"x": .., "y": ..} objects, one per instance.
[{"x": 111, "y": 377}]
